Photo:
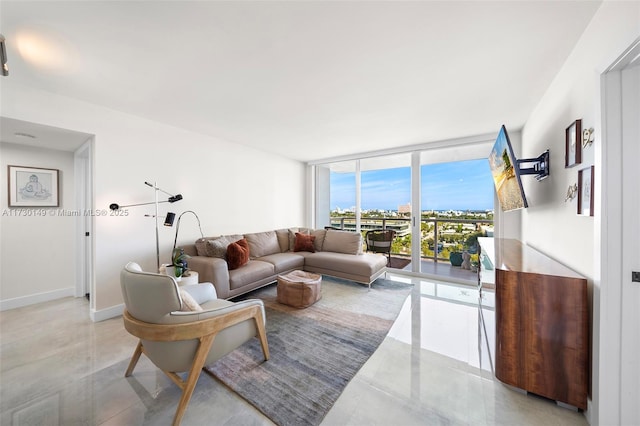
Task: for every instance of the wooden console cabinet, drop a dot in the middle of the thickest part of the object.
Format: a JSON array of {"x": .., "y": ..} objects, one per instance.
[{"x": 542, "y": 330}]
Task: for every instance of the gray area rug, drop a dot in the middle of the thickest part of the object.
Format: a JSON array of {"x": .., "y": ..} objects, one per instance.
[{"x": 315, "y": 351}]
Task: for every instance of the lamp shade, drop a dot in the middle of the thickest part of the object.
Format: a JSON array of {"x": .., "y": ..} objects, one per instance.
[{"x": 171, "y": 217}]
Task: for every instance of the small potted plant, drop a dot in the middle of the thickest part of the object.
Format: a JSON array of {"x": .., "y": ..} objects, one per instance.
[
  {"x": 179, "y": 262},
  {"x": 455, "y": 257}
]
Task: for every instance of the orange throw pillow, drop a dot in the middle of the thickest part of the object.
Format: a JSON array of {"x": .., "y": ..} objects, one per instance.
[
  {"x": 237, "y": 254},
  {"x": 304, "y": 243}
]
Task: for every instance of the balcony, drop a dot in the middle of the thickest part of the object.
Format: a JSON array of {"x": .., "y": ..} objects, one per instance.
[{"x": 439, "y": 237}]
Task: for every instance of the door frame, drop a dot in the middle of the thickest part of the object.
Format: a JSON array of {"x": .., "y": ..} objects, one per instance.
[
  {"x": 83, "y": 176},
  {"x": 609, "y": 302}
]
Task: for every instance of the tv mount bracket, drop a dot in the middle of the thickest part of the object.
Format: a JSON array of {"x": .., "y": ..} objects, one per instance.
[{"x": 538, "y": 166}]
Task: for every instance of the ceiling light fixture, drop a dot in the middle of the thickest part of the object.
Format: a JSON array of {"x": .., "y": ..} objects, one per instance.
[
  {"x": 3, "y": 57},
  {"x": 46, "y": 50},
  {"x": 24, "y": 135}
]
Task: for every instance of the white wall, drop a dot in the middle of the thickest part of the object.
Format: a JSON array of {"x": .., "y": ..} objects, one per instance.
[
  {"x": 550, "y": 224},
  {"x": 37, "y": 251},
  {"x": 231, "y": 187}
]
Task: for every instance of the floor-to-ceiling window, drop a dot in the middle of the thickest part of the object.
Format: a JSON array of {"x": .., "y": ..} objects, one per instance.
[
  {"x": 438, "y": 207},
  {"x": 337, "y": 192},
  {"x": 386, "y": 201},
  {"x": 456, "y": 202}
]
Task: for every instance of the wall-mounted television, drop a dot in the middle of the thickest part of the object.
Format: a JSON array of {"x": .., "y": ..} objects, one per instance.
[{"x": 506, "y": 174}]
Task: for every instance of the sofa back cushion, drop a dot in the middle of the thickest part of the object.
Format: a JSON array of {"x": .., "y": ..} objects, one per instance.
[
  {"x": 262, "y": 244},
  {"x": 283, "y": 239},
  {"x": 342, "y": 242},
  {"x": 319, "y": 241}
]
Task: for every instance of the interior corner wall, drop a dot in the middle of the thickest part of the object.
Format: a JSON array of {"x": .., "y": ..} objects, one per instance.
[
  {"x": 37, "y": 243},
  {"x": 232, "y": 188},
  {"x": 552, "y": 224}
]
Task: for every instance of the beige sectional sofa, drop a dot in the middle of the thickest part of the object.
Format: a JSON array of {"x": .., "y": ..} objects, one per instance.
[{"x": 272, "y": 253}]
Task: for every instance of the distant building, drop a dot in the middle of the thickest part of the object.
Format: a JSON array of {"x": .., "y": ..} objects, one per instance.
[{"x": 405, "y": 208}]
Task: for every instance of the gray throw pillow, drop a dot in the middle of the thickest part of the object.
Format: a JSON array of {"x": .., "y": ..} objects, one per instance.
[
  {"x": 201, "y": 245},
  {"x": 217, "y": 247}
]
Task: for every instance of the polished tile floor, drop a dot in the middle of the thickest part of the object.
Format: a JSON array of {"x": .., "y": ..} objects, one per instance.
[
  {"x": 59, "y": 368},
  {"x": 443, "y": 270}
]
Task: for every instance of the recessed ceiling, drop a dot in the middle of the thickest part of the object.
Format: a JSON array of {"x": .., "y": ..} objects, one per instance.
[
  {"x": 34, "y": 134},
  {"x": 306, "y": 80}
]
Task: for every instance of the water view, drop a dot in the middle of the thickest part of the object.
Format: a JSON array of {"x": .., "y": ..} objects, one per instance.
[{"x": 456, "y": 202}]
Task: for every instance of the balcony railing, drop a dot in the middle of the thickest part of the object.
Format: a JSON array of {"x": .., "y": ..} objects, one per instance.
[{"x": 435, "y": 240}]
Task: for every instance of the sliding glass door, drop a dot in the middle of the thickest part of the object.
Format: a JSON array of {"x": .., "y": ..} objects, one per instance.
[
  {"x": 438, "y": 201},
  {"x": 386, "y": 202},
  {"x": 456, "y": 208}
]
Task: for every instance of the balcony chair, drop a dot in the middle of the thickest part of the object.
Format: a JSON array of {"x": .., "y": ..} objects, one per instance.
[
  {"x": 185, "y": 329},
  {"x": 379, "y": 241}
]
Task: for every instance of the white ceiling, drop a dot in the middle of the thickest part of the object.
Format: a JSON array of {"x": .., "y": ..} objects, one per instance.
[
  {"x": 34, "y": 134},
  {"x": 303, "y": 79}
]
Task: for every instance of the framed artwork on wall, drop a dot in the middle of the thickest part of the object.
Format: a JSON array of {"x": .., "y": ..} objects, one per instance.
[
  {"x": 33, "y": 187},
  {"x": 585, "y": 191},
  {"x": 573, "y": 144}
]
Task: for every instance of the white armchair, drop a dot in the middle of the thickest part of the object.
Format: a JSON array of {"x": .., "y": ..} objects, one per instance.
[{"x": 177, "y": 339}]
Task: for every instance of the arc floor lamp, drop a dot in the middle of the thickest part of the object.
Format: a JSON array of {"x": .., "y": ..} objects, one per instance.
[{"x": 169, "y": 222}]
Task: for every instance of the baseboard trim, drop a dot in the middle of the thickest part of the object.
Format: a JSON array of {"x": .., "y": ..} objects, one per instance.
[
  {"x": 32, "y": 299},
  {"x": 105, "y": 314}
]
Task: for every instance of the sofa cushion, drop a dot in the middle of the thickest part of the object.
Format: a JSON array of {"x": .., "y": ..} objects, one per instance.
[
  {"x": 283, "y": 239},
  {"x": 367, "y": 264},
  {"x": 250, "y": 273},
  {"x": 342, "y": 242},
  {"x": 237, "y": 254},
  {"x": 304, "y": 242},
  {"x": 319, "y": 234},
  {"x": 285, "y": 261},
  {"x": 262, "y": 244}
]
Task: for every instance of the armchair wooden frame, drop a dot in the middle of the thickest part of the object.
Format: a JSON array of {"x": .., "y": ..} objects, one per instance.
[{"x": 205, "y": 331}]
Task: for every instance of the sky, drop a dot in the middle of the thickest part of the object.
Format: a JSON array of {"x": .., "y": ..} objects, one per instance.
[{"x": 463, "y": 185}]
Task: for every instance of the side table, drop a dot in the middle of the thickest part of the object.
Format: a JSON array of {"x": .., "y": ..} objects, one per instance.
[{"x": 192, "y": 278}]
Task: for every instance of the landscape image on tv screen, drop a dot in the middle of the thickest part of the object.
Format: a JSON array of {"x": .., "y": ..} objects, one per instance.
[{"x": 506, "y": 177}]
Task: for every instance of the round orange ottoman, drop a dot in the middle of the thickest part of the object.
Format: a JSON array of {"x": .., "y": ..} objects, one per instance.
[{"x": 299, "y": 289}]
